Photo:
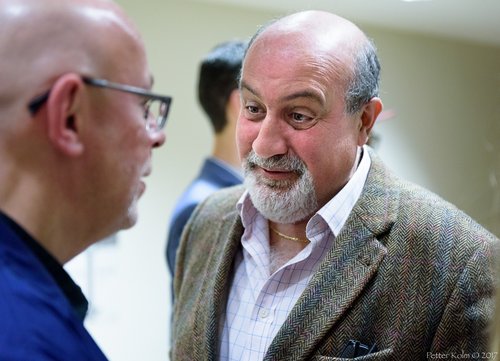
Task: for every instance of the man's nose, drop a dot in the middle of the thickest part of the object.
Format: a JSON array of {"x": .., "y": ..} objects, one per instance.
[
  {"x": 270, "y": 139},
  {"x": 158, "y": 137}
]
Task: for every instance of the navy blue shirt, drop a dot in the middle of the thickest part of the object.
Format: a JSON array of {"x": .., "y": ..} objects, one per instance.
[
  {"x": 41, "y": 308},
  {"x": 70, "y": 289}
]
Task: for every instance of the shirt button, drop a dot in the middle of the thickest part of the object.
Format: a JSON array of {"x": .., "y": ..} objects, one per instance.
[{"x": 264, "y": 313}]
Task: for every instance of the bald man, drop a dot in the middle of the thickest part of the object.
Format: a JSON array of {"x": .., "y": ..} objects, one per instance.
[
  {"x": 77, "y": 127},
  {"x": 324, "y": 254}
]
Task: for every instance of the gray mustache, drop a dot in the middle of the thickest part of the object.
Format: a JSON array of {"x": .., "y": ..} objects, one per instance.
[{"x": 290, "y": 163}]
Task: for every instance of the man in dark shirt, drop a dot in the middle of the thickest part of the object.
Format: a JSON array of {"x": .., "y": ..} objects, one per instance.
[
  {"x": 77, "y": 127},
  {"x": 219, "y": 97}
]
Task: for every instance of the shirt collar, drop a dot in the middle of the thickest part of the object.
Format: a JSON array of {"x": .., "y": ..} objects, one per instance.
[
  {"x": 338, "y": 209},
  {"x": 70, "y": 289}
]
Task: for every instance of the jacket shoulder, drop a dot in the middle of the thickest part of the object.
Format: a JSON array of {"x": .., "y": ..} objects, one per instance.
[
  {"x": 220, "y": 203},
  {"x": 391, "y": 200}
]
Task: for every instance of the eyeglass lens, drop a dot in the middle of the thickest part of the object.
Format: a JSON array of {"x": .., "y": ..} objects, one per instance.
[{"x": 157, "y": 112}]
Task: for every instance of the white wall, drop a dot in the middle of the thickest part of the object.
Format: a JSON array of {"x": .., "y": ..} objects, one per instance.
[
  {"x": 446, "y": 132},
  {"x": 445, "y": 136}
]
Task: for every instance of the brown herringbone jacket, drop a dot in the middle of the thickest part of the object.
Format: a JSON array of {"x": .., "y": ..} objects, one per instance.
[{"x": 410, "y": 272}]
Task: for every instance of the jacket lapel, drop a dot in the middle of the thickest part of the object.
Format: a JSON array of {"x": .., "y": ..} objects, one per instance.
[
  {"x": 343, "y": 274},
  {"x": 217, "y": 289},
  {"x": 339, "y": 280}
]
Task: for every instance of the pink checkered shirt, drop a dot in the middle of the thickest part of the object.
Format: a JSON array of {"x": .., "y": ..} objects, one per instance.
[{"x": 258, "y": 302}]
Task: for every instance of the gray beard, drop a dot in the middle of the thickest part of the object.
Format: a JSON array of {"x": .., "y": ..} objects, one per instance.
[{"x": 281, "y": 201}]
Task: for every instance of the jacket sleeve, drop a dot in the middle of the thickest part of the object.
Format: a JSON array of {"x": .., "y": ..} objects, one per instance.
[{"x": 464, "y": 326}]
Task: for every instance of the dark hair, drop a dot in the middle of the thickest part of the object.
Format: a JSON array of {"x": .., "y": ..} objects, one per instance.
[
  {"x": 364, "y": 83},
  {"x": 218, "y": 77}
]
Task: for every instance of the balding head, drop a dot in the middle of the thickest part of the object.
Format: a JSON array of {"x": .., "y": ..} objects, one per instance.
[
  {"x": 43, "y": 39},
  {"x": 61, "y": 133},
  {"x": 322, "y": 30},
  {"x": 335, "y": 44}
]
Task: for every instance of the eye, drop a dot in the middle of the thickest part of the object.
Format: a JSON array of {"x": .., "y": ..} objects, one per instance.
[
  {"x": 252, "y": 109},
  {"x": 300, "y": 118},
  {"x": 253, "y": 112},
  {"x": 301, "y": 121}
]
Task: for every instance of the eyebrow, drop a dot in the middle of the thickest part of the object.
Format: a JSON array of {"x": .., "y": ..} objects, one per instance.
[
  {"x": 305, "y": 94},
  {"x": 300, "y": 94}
]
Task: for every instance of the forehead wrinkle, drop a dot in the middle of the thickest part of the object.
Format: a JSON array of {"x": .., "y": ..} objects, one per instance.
[
  {"x": 309, "y": 94},
  {"x": 331, "y": 73},
  {"x": 245, "y": 86},
  {"x": 320, "y": 73},
  {"x": 324, "y": 41},
  {"x": 306, "y": 93}
]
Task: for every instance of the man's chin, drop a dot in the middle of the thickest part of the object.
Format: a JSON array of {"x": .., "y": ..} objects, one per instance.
[
  {"x": 278, "y": 205},
  {"x": 131, "y": 218}
]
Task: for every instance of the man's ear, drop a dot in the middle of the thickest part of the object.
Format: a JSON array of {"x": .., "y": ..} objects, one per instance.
[
  {"x": 369, "y": 114},
  {"x": 64, "y": 107}
]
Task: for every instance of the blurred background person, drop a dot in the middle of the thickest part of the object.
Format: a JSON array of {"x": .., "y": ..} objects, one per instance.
[{"x": 219, "y": 97}]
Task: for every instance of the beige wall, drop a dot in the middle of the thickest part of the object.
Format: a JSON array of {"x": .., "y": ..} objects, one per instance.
[{"x": 445, "y": 136}]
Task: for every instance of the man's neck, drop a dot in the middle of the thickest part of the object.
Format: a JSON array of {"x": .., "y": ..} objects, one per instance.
[
  {"x": 225, "y": 149},
  {"x": 285, "y": 242}
]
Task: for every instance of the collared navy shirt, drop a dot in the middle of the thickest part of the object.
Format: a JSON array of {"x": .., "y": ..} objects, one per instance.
[{"x": 70, "y": 289}]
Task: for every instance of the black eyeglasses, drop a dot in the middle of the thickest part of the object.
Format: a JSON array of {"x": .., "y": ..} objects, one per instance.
[{"x": 156, "y": 106}]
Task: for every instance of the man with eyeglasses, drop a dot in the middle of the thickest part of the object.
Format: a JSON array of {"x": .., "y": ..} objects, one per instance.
[{"x": 78, "y": 124}]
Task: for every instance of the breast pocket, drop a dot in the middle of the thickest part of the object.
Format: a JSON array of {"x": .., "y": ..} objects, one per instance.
[{"x": 383, "y": 355}]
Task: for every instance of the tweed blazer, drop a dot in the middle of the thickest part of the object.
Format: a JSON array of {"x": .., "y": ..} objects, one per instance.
[{"x": 409, "y": 272}]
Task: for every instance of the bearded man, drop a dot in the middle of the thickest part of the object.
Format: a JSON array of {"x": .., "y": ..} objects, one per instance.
[{"x": 324, "y": 254}]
